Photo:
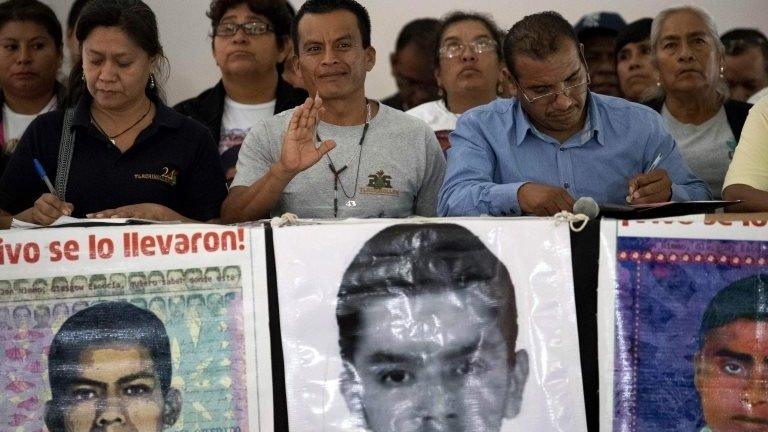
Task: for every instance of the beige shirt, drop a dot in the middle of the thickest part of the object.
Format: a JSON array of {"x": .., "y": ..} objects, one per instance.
[{"x": 750, "y": 161}]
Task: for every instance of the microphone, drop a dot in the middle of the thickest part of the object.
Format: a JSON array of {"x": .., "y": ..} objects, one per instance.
[{"x": 586, "y": 206}]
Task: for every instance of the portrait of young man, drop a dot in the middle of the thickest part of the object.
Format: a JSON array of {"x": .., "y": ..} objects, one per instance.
[
  {"x": 427, "y": 325},
  {"x": 731, "y": 365},
  {"x": 110, "y": 369}
]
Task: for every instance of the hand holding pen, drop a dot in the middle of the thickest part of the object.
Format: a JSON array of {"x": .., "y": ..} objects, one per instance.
[
  {"x": 652, "y": 186},
  {"x": 48, "y": 207}
]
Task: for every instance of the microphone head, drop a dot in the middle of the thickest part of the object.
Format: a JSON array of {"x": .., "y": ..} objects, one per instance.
[{"x": 586, "y": 206}]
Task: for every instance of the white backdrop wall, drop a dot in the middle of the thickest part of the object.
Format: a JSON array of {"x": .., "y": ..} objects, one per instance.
[{"x": 184, "y": 29}]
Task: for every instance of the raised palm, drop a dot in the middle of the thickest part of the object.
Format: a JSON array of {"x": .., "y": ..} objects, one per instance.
[{"x": 300, "y": 150}]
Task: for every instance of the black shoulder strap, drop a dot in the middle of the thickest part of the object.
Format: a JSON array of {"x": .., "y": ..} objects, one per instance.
[{"x": 65, "y": 154}]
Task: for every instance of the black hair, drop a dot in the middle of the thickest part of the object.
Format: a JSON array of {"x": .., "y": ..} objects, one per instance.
[
  {"x": 108, "y": 323},
  {"x": 79, "y": 277},
  {"x": 156, "y": 273},
  {"x": 195, "y": 297},
  {"x": 421, "y": 32},
  {"x": 138, "y": 22},
  {"x": 157, "y": 299},
  {"x": 414, "y": 259},
  {"x": 634, "y": 32},
  {"x": 460, "y": 16},
  {"x": 140, "y": 274},
  {"x": 537, "y": 36},
  {"x": 74, "y": 13},
  {"x": 59, "y": 279},
  {"x": 104, "y": 324},
  {"x": 746, "y": 298},
  {"x": 35, "y": 12},
  {"x": 328, "y": 6},
  {"x": 21, "y": 308},
  {"x": 276, "y": 11},
  {"x": 738, "y": 40}
]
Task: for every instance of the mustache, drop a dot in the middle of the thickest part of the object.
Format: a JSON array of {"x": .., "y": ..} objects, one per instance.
[{"x": 755, "y": 420}]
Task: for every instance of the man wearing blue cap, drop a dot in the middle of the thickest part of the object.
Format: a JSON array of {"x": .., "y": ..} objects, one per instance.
[{"x": 597, "y": 32}]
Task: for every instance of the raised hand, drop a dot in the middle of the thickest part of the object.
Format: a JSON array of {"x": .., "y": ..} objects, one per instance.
[{"x": 300, "y": 150}]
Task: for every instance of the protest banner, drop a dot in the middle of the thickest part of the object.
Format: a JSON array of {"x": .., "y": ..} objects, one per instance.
[
  {"x": 461, "y": 325},
  {"x": 152, "y": 327},
  {"x": 683, "y": 312}
]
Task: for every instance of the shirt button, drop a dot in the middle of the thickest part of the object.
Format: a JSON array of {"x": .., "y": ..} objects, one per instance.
[
  {"x": 566, "y": 185},
  {"x": 562, "y": 149}
]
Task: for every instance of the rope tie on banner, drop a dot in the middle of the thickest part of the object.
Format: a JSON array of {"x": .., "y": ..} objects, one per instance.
[
  {"x": 577, "y": 222},
  {"x": 285, "y": 219}
]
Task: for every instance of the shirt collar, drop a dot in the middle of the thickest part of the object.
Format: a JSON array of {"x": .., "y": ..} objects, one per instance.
[{"x": 593, "y": 122}]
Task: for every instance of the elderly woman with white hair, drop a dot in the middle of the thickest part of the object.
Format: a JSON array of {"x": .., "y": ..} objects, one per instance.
[{"x": 693, "y": 97}]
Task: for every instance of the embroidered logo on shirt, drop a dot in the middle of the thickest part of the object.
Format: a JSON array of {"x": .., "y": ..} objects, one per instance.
[
  {"x": 379, "y": 184},
  {"x": 168, "y": 175},
  {"x": 731, "y": 144}
]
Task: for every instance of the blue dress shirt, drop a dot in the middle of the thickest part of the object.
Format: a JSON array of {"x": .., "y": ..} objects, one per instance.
[{"x": 495, "y": 150}]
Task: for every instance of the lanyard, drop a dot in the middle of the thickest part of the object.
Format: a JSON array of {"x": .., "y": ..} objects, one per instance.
[{"x": 337, "y": 172}]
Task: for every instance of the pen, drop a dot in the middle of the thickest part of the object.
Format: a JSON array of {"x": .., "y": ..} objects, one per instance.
[
  {"x": 653, "y": 166},
  {"x": 44, "y": 176}
]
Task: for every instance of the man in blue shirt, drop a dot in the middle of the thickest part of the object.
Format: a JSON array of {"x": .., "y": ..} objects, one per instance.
[{"x": 535, "y": 154}]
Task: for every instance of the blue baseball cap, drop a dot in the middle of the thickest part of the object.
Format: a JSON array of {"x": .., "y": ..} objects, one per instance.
[{"x": 609, "y": 22}]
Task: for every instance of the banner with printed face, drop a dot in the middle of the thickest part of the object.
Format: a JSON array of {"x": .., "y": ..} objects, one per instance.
[
  {"x": 134, "y": 328},
  {"x": 460, "y": 325},
  {"x": 684, "y": 310}
]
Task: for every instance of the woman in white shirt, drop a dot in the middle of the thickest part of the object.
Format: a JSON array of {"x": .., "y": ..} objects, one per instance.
[
  {"x": 30, "y": 57},
  {"x": 468, "y": 65},
  {"x": 694, "y": 100}
]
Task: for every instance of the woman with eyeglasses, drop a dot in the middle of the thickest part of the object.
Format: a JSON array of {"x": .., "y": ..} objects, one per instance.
[
  {"x": 117, "y": 150},
  {"x": 468, "y": 66},
  {"x": 693, "y": 97},
  {"x": 251, "y": 41},
  {"x": 30, "y": 57}
]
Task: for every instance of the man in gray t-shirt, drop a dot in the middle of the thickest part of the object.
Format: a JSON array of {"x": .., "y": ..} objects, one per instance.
[{"x": 338, "y": 155}]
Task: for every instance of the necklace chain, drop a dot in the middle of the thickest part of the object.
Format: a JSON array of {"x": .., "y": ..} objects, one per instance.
[
  {"x": 113, "y": 137},
  {"x": 337, "y": 172}
]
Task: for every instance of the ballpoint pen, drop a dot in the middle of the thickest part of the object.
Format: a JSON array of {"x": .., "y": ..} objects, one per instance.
[
  {"x": 653, "y": 166},
  {"x": 44, "y": 176}
]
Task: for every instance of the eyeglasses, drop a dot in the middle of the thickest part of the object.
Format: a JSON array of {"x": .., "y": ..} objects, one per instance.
[
  {"x": 253, "y": 28},
  {"x": 478, "y": 46},
  {"x": 567, "y": 91}
]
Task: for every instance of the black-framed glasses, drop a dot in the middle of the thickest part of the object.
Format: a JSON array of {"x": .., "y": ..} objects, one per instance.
[
  {"x": 478, "y": 46},
  {"x": 253, "y": 28},
  {"x": 567, "y": 90}
]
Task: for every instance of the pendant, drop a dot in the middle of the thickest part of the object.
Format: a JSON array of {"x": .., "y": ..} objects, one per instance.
[
  {"x": 351, "y": 203},
  {"x": 112, "y": 140}
]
